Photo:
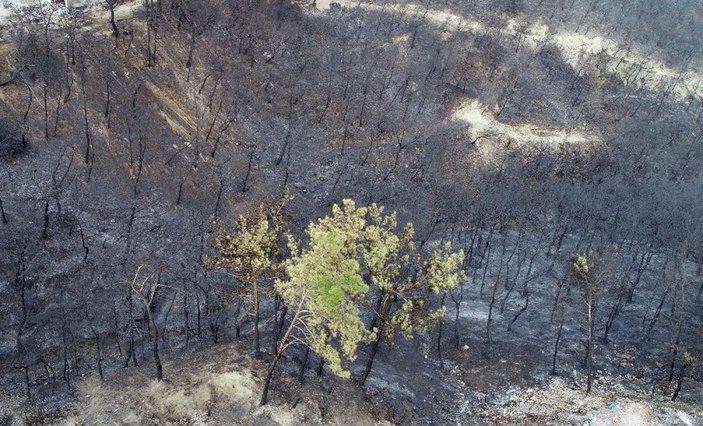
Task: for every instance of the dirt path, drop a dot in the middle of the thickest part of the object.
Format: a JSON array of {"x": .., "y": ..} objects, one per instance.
[
  {"x": 485, "y": 127},
  {"x": 584, "y": 53},
  {"x": 593, "y": 55}
]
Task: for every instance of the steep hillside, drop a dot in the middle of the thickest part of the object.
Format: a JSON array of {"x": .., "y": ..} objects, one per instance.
[{"x": 524, "y": 132}]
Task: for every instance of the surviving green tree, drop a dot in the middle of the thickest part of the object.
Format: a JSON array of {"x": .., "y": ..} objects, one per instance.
[
  {"x": 323, "y": 290},
  {"x": 328, "y": 281},
  {"x": 591, "y": 273},
  {"x": 252, "y": 252},
  {"x": 402, "y": 279}
]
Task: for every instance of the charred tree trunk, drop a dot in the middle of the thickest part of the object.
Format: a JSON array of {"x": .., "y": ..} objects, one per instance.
[
  {"x": 99, "y": 355},
  {"x": 439, "y": 335},
  {"x": 186, "y": 316},
  {"x": 279, "y": 352},
  {"x": 279, "y": 325},
  {"x": 486, "y": 257},
  {"x": 22, "y": 284},
  {"x": 682, "y": 373},
  {"x": 267, "y": 381},
  {"x": 303, "y": 364},
  {"x": 111, "y": 4},
  {"x": 257, "y": 343},
  {"x": 526, "y": 295},
  {"x": 246, "y": 176},
  {"x": 107, "y": 101},
  {"x": 45, "y": 230},
  {"x": 615, "y": 310},
  {"x": 131, "y": 352},
  {"x": 28, "y": 390},
  {"x": 556, "y": 347},
  {"x": 457, "y": 311},
  {"x": 380, "y": 323},
  {"x": 147, "y": 289},
  {"x": 2, "y": 213},
  {"x": 155, "y": 345},
  {"x": 45, "y": 87},
  {"x": 589, "y": 339}
]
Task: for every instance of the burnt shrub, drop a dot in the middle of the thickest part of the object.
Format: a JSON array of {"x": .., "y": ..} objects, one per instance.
[{"x": 12, "y": 142}]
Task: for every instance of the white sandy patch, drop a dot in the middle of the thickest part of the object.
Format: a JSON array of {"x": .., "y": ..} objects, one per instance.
[
  {"x": 5, "y": 13},
  {"x": 401, "y": 39},
  {"x": 124, "y": 10},
  {"x": 485, "y": 128},
  {"x": 192, "y": 401},
  {"x": 323, "y": 4},
  {"x": 235, "y": 386},
  {"x": 180, "y": 403}
]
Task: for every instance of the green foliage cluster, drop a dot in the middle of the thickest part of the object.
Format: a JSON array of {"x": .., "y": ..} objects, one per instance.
[
  {"x": 327, "y": 276},
  {"x": 251, "y": 251},
  {"x": 348, "y": 259},
  {"x": 352, "y": 256},
  {"x": 580, "y": 265},
  {"x": 440, "y": 272}
]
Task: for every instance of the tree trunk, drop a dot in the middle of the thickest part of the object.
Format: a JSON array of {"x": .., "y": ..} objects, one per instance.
[
  {"x": 679, "y": 383},
  {"x": 457, "y": 306},
  {"x": 279, "y": 352},
  {"x": 186, "y": 316},
  {"x": 674, "y": 353},
  {"x": 99, "y": 356},
  {"x": 556, "y": 347},
  {"x": 526, "y": 295},
  {"x": 589, "y": 344},
  {"x": 115, "y": 30},
  {"x": 155, "y": 347},
  {"x": 379, "y": 323},
  {"x": 439, "y": 336},
  {"x": 487, "y": 257},
  {"x": 301, "y": 373},
  {"x": 372, "y": 354},
  {"x": 257, "y": 345},
  {"x": 2, "y": 213},
  {"x": 490, "y": 312},
  {"x": 26, "y": 382},
  {"x": 615, "y": 310},
  {"x": 269, "y": 376},
  {"x": 279, "y": 325}
]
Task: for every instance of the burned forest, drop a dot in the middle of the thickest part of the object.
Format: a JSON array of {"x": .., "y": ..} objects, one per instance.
[{"x": 290, "y": 212}]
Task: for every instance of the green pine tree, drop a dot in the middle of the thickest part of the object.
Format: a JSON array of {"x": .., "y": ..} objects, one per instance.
[
  {"x": 252, "y": 252},
  {"x": 324, "y": 288}
]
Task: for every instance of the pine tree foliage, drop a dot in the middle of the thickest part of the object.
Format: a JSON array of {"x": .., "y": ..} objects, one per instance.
[
  {"x": 404, "y": 278},
  {"x": 327, "y": 279},
  {"x": 252, "y": 251},
  {"x": 401, "y": 279},
  {"x": 440, "y": 272},
  {"x": 349, "y": 253}
]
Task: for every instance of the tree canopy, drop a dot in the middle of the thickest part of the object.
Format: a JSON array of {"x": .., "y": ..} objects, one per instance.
[
  {"x": 351, "y": 256},
  {"x": 327, "y": 278}
]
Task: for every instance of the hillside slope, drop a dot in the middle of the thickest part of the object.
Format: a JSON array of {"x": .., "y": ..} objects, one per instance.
[{"x": 523, "y": 131}]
